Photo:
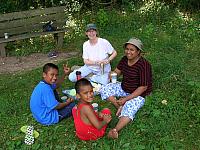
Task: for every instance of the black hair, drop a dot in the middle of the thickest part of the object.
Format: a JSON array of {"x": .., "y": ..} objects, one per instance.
[
  {"x": 81, "y": 82},
  {"x": 47, "y": 66}
]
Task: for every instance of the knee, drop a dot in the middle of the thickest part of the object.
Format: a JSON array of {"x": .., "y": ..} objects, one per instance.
[
  {"x": 72, "y": 77},
  {"x": 71, "y": 105},
  {"x": 106, "y": 111}
]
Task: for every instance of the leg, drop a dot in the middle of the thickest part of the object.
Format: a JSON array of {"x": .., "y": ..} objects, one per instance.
[
  {"x": 105, "y": 111},
  {"x": 123, "y": 121},
  {"x": 128, "y": 112},
  {"x": 119, "y": 111},
  {"x": 84, "y": 72},
  {"x": 111, "y": 90},
  {"x": 66, "y": 111},
  {"x": 102, "y": 79},
  {"x": 113, "y": 100}
]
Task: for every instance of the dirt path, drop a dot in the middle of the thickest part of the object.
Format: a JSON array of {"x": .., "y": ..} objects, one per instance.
[{"x": 18, "y": 64}]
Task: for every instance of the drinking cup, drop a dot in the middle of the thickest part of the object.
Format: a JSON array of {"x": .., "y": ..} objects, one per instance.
[
  {"x": 113, "y": 77},
  {"x": 95, "y": 107}
]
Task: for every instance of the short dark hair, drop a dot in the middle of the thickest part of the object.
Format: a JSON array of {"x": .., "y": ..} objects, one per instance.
[
  {"x": 47, "y": 66},
  {"x": 81, "y": 82}
]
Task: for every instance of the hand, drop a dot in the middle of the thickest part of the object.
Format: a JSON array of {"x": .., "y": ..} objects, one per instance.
[
  {"x": 121, "y": 101},
  {"x": 97, "y": 62},
  {"x": 107, "y": 118},
  {"x": 66, "y": 69},
  {"x": 106, "y": 61},
  {"x": 70, "y": 99}
]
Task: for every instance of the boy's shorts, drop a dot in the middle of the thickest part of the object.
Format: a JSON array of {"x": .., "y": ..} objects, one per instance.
[{"x": 66, "y": 111}]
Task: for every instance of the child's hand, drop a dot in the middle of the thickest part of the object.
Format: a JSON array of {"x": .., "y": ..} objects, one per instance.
[
  {"x": 107, "y": 118},
  {"x": 70, "y": 99},
  {"x": 66, "y": 69},
  {"x": 100, "y": 115}
]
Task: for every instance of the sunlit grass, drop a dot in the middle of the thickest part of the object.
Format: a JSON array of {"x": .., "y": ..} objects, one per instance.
[{"x": 170, "y": 117}]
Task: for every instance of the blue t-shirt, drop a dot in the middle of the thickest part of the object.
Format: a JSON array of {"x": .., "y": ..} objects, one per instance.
[{"x": 43, "y": 103}]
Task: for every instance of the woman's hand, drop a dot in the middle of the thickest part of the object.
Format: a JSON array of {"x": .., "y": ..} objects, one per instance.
[
  {"x": 121, "y": 101},
  {"x": 105, "y": 61}
]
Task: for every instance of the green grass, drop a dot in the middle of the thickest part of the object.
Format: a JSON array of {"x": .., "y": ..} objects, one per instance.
[{"x": 172, "y": 46}]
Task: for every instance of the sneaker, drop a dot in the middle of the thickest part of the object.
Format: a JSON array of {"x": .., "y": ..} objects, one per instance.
[
  {"x": 29, "y": 139},
  {"x": 52, "y": 54}
]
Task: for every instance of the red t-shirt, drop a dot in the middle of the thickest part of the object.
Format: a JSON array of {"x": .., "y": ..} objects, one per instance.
[{"x": 139, "y": 74}]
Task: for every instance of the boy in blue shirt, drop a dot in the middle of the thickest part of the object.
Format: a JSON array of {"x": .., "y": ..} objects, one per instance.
[{"x": 43, "y": 103}]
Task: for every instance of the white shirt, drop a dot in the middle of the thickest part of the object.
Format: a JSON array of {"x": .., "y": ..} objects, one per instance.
[{"x": 100, "y": 51}]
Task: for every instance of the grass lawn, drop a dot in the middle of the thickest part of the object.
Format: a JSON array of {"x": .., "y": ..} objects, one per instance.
[{"x": 170, "y": 118}]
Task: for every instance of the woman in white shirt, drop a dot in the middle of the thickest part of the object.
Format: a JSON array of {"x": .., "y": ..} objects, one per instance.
[{"x": 97, "y": 54}]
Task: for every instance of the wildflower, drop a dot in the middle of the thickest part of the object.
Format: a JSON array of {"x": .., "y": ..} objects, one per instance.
[{"x": 164, "y": 102}]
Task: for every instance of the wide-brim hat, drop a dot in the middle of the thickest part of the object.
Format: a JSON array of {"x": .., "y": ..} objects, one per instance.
[
  {"x": 136, "y": 42},
  {"x": 91, "y": 26}
]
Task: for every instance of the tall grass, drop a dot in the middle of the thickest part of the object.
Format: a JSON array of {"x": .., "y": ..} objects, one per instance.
[{"x": 170, "y": 117}]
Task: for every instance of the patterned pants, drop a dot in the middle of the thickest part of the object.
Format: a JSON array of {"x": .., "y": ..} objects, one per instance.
[{"x": 131, "y": 107}]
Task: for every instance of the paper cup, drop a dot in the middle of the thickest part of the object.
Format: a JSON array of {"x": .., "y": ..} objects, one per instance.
[
  {"x": 95, "y": 107},
  {"x": 64, "y": 98},
  {"x": 113, "y": 77}
]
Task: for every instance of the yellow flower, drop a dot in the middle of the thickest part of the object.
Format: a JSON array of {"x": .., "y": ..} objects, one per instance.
[{"x": 164, "y": 102}]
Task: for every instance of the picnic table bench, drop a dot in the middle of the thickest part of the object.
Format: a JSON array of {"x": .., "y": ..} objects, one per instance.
[{"x": 27, "y": 24}]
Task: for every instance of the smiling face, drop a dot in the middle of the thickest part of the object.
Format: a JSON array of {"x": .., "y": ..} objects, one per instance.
[
  {"x": 131, "y": 52},
  {"x": 91, "y": 34},
  {"x": 86, "y": 94},
  {"x": 51, "y": 75}
]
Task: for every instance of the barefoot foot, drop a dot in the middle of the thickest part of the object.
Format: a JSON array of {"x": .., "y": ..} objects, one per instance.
[{"x": 113, "y": 134}]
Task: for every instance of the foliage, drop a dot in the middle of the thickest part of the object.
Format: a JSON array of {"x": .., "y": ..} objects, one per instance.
[
  {"x": 102, "y": 18},
  {"x": 170, "y": 117},
  {"x": 92, "y": 5}
]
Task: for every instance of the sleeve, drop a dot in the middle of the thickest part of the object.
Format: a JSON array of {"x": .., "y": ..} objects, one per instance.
[
  {"x": 145, "y": 74},
  {"x": 49, "y": 99},
  {"x": 121, "y": 63},
  {"x": 109, "y": 47},
  {"x": 85, "y": 51}
]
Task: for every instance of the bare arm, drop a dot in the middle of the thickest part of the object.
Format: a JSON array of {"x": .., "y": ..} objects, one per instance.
[
  {"x": 113, "y": 55},
  {"x": 66, "y": 70},
  {"x": 117, "y": 71},
  {"x": 62, "y": 105},
  {"x": 136, "y": 93},
  {"x": 88, "y": 113}
]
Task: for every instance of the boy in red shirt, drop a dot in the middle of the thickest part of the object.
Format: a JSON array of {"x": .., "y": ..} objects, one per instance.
[{"x": 89, "y": 124}]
